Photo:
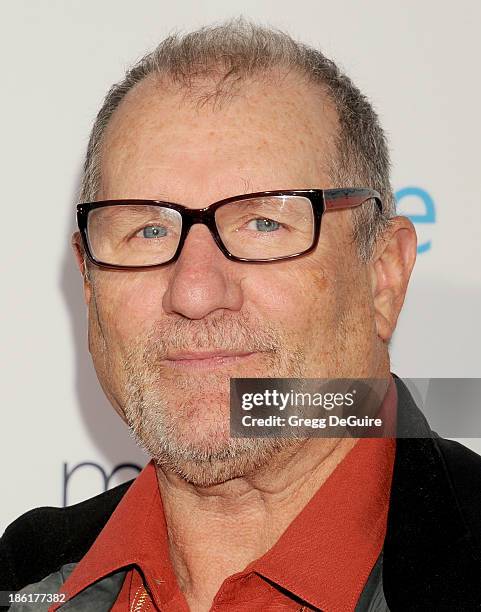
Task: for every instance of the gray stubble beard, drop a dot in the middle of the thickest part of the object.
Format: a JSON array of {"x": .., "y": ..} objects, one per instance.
[{"x": 158, "y": 426}]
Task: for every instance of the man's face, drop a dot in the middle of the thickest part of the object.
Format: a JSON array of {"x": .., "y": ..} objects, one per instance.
[{"x": 308, "y": 317}]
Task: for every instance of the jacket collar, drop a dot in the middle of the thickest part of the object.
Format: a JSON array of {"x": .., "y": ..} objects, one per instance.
[{"x": 428, "y": 559}]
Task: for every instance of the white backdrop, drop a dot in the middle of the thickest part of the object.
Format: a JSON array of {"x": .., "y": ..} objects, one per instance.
[{"x": 419, "y": 64}]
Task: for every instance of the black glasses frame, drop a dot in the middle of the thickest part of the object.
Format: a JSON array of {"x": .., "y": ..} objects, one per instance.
[{"x": 322, "y": 200}]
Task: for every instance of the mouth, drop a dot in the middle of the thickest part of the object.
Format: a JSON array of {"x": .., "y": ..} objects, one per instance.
[{"x": 206, "y": 359}]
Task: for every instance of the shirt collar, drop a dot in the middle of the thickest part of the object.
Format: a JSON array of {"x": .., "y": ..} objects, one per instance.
[
  {"x": 135, "y": 534},
  {"x": 326, "y": 554}
]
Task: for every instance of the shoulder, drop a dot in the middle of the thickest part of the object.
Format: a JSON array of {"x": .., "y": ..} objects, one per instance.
[
  {"x": 463, "y": 463},
  {"x": 42, "y": 540},
  {"x": 48, "y": 586},
  {"x": 463, "y": 469}
]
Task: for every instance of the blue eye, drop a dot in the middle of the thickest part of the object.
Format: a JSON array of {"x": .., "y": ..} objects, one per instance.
[
  {"x": 154, "y": 231},
  {"x": 265, "y": 225}
]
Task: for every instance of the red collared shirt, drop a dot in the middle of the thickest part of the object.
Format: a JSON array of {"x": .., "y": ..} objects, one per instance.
[{"x": 321, "y": 561}]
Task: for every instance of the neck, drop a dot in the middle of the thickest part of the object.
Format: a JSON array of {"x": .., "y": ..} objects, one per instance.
[{"x": 216, "y": 531}]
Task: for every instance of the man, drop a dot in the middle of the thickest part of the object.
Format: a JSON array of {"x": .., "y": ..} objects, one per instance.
[{"x": 306, "y": 282}]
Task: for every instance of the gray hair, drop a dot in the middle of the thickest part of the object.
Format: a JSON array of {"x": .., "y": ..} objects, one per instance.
[{"x": 238, "y": 49}]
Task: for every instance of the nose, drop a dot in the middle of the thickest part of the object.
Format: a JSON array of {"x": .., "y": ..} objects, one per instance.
[{"x": 203, "y": 280}]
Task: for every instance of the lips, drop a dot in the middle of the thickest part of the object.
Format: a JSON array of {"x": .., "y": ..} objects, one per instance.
[{"x": 205, "y": 355}]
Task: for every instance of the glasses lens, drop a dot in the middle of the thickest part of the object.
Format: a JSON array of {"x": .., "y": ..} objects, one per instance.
[
  {"x": 262, "y": 228},
  {"x": 133, "y": 235}
]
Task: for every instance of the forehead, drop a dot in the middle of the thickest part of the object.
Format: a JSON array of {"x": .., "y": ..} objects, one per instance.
[{"x": 165, "y": 141}]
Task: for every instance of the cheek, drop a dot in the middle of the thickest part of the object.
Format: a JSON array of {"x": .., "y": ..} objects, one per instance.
[
  {"x": 291, "y": 297},
  {"x": 312, "y": 300},
  {"x": 129, "y": 304}
]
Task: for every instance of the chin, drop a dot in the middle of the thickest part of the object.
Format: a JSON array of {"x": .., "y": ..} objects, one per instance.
[
  {"x": 208, "y": 465},
  {"x": 196, "y": 445},
  {"x": 183, "y": 423}
]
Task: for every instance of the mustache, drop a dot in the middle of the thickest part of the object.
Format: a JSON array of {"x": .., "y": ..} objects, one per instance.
[{"x": 239, "y": 332}]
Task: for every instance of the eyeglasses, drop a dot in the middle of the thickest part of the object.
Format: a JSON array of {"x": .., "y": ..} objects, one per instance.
[{"x": 257, "y": 227}]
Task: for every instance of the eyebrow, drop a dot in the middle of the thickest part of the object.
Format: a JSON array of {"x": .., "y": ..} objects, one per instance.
[
  {"x": 247, "y": 188},
  {"x": 162, "y": 197}
]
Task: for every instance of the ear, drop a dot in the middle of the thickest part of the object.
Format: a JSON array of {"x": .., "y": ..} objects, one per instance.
[
  {"x": 390, "y": 270},
  {"x": 79, "y": 253}
]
